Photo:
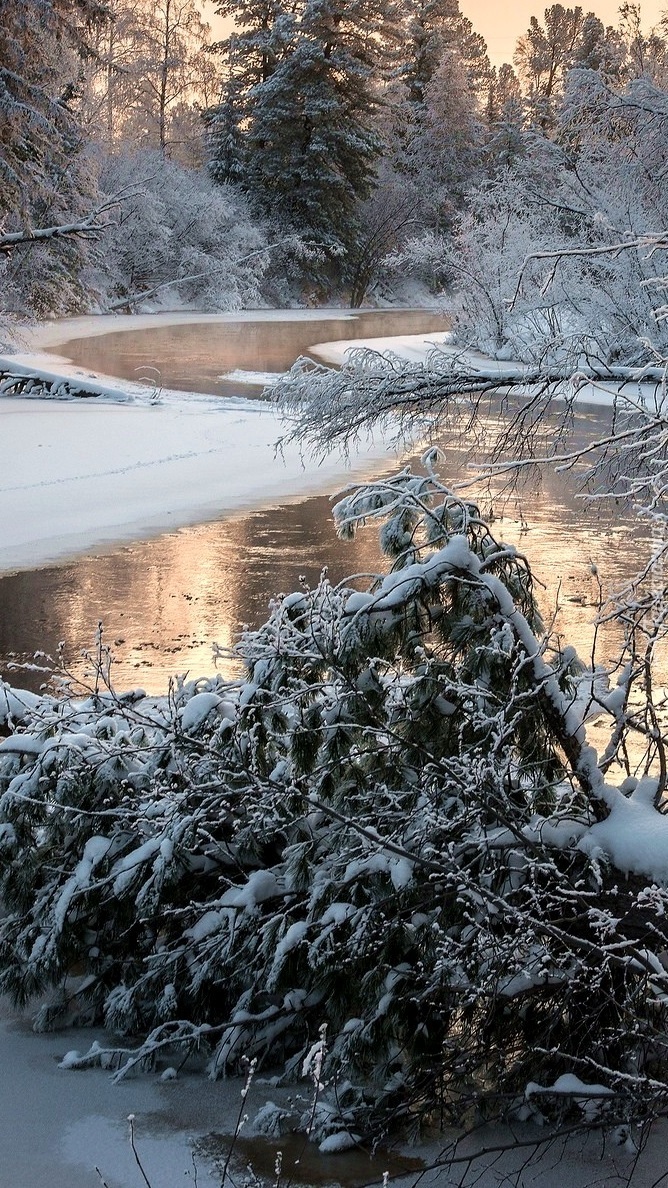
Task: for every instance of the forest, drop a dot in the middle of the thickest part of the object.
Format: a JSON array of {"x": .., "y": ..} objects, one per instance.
[
  {"x": 391, "y": 856},
  {"x": 331, "y": 152}
]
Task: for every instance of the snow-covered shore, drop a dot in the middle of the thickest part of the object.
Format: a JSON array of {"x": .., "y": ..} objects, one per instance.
[
  {"x": 86, "y": 473},
  {"x": 91, "y": 473}
]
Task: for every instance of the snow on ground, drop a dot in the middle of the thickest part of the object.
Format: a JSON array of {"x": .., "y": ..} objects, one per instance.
[
  {"x": 87, "y": 473},
  {"x": 57, "y": 1126},
  {"x": 79, "y": 475}
]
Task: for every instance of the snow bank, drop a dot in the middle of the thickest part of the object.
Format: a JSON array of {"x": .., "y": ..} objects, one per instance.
[
  {"x": 412, "y": 348},
  {"x": 86, "y": 473},
  {"x": 238, "y": 376},
  {"x": 76, "y": 476},
  {"x": 40, "y": 335},
  {"x": 416, "y": 348}
]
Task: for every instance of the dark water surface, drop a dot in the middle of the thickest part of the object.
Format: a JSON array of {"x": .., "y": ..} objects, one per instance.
[{"x": 163, "y": 602}]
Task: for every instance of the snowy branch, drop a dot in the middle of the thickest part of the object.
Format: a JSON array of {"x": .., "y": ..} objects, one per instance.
[
  {"x": 134, "y": 298},
  {"x": 91, "y": 227}
]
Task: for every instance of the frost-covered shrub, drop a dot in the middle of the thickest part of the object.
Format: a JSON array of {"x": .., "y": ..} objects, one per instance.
[
  {"x": 394, "y": 826},
  {"x": 555, "y": 261},
  {"x": 486, "y": 258},
  {"x": 175, "y": 225}
]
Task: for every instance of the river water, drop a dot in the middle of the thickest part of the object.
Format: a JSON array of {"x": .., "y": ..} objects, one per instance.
[
  {"x": 163, "y": 602},
  {"x": 196, "y": 357}
]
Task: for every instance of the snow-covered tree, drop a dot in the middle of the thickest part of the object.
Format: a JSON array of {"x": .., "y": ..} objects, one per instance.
[
  {"x": 385, "y": 222},
  {"x": 646, "y": 54},
  {"x": 432, "y": 120},
  {"x": 176, "y": 233},
  {"x": 264, "y": 34},
  {"x": 570, "y": 38},
  {"x": 46, "y": 177},
  {"x": 150, "y": 77},
  {"x": 550, "y": 259},
  {"x": 436, "y": 28},
  {"x": 394, "y": 827},
  {"x": 296, "y": 126},
  {"x": 545, "y": 54},
  {"x": 41, "y": 47},
  {"x": 504, "y": 120}
]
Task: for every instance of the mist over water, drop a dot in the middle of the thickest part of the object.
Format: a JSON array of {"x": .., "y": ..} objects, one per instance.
[{"x": 194, "y": 357}]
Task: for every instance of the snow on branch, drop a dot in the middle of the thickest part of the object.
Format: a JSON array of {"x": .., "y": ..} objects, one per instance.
[
  {"x": 25, "y": 382},
  {"x": 394, "y": 824},
  {"x": 651, "y": 243},
  {"x": 91, "y": 227},
  {"x": 450, "y": 391},
  {"x": 294, "y": 241}
]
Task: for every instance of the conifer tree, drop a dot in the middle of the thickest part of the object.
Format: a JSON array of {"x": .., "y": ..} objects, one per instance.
[
  {"x": 42, "y": 44},
  {"x": 435, "y": 28},
  {"x": 299, "y": 113},
  {"x": 434, "y": 133},
  {"x": 45, "y": 176},
  {"x": 394, "y": 828}
]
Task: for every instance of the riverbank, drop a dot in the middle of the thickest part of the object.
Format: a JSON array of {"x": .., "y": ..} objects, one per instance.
[{"x": 88, "y": 473}]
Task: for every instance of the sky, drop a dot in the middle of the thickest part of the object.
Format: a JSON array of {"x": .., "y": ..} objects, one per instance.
[{"x": 501, "y": 22}]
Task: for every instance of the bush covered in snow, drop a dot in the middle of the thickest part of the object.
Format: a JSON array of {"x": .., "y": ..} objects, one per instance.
[
  {"x": 176, "y": 229},
  {"x": 394, "y": 826}
]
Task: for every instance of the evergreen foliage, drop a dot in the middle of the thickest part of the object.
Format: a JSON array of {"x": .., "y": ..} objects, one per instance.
[
  {"x": 41, "y": 48},
  {"x": 389, "y": 827},
  {"x": 45, "y": 177},
  {"x": 296, "y": 124}
]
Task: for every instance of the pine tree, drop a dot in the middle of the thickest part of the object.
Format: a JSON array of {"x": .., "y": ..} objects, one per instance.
[
  {"x": 504, "y": 119},
  {"x": 388, "y": 828},
  {"x": 434, "y": 133},
  {"x": 41, "y": 48},
  {"x": 435, "y": 28},
  {"x": 45, "y": 176},
  {"x": 299, "y": 113}
]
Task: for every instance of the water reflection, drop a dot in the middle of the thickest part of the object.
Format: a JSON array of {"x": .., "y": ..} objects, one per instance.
[
  {"x": 163, "y": 602},
  {"x": 192, "y": 357}
]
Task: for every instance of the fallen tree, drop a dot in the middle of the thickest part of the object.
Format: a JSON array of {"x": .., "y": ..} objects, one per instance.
[
  {"x": 26, "y": 382},
  {"x": 393, "y": 827}
]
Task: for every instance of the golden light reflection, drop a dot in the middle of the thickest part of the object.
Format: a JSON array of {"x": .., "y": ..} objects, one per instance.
[{"x": 164, "y": 602}]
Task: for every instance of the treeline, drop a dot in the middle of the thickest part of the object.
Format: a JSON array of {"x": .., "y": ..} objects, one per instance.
[{"x": 322, "y": 150}]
